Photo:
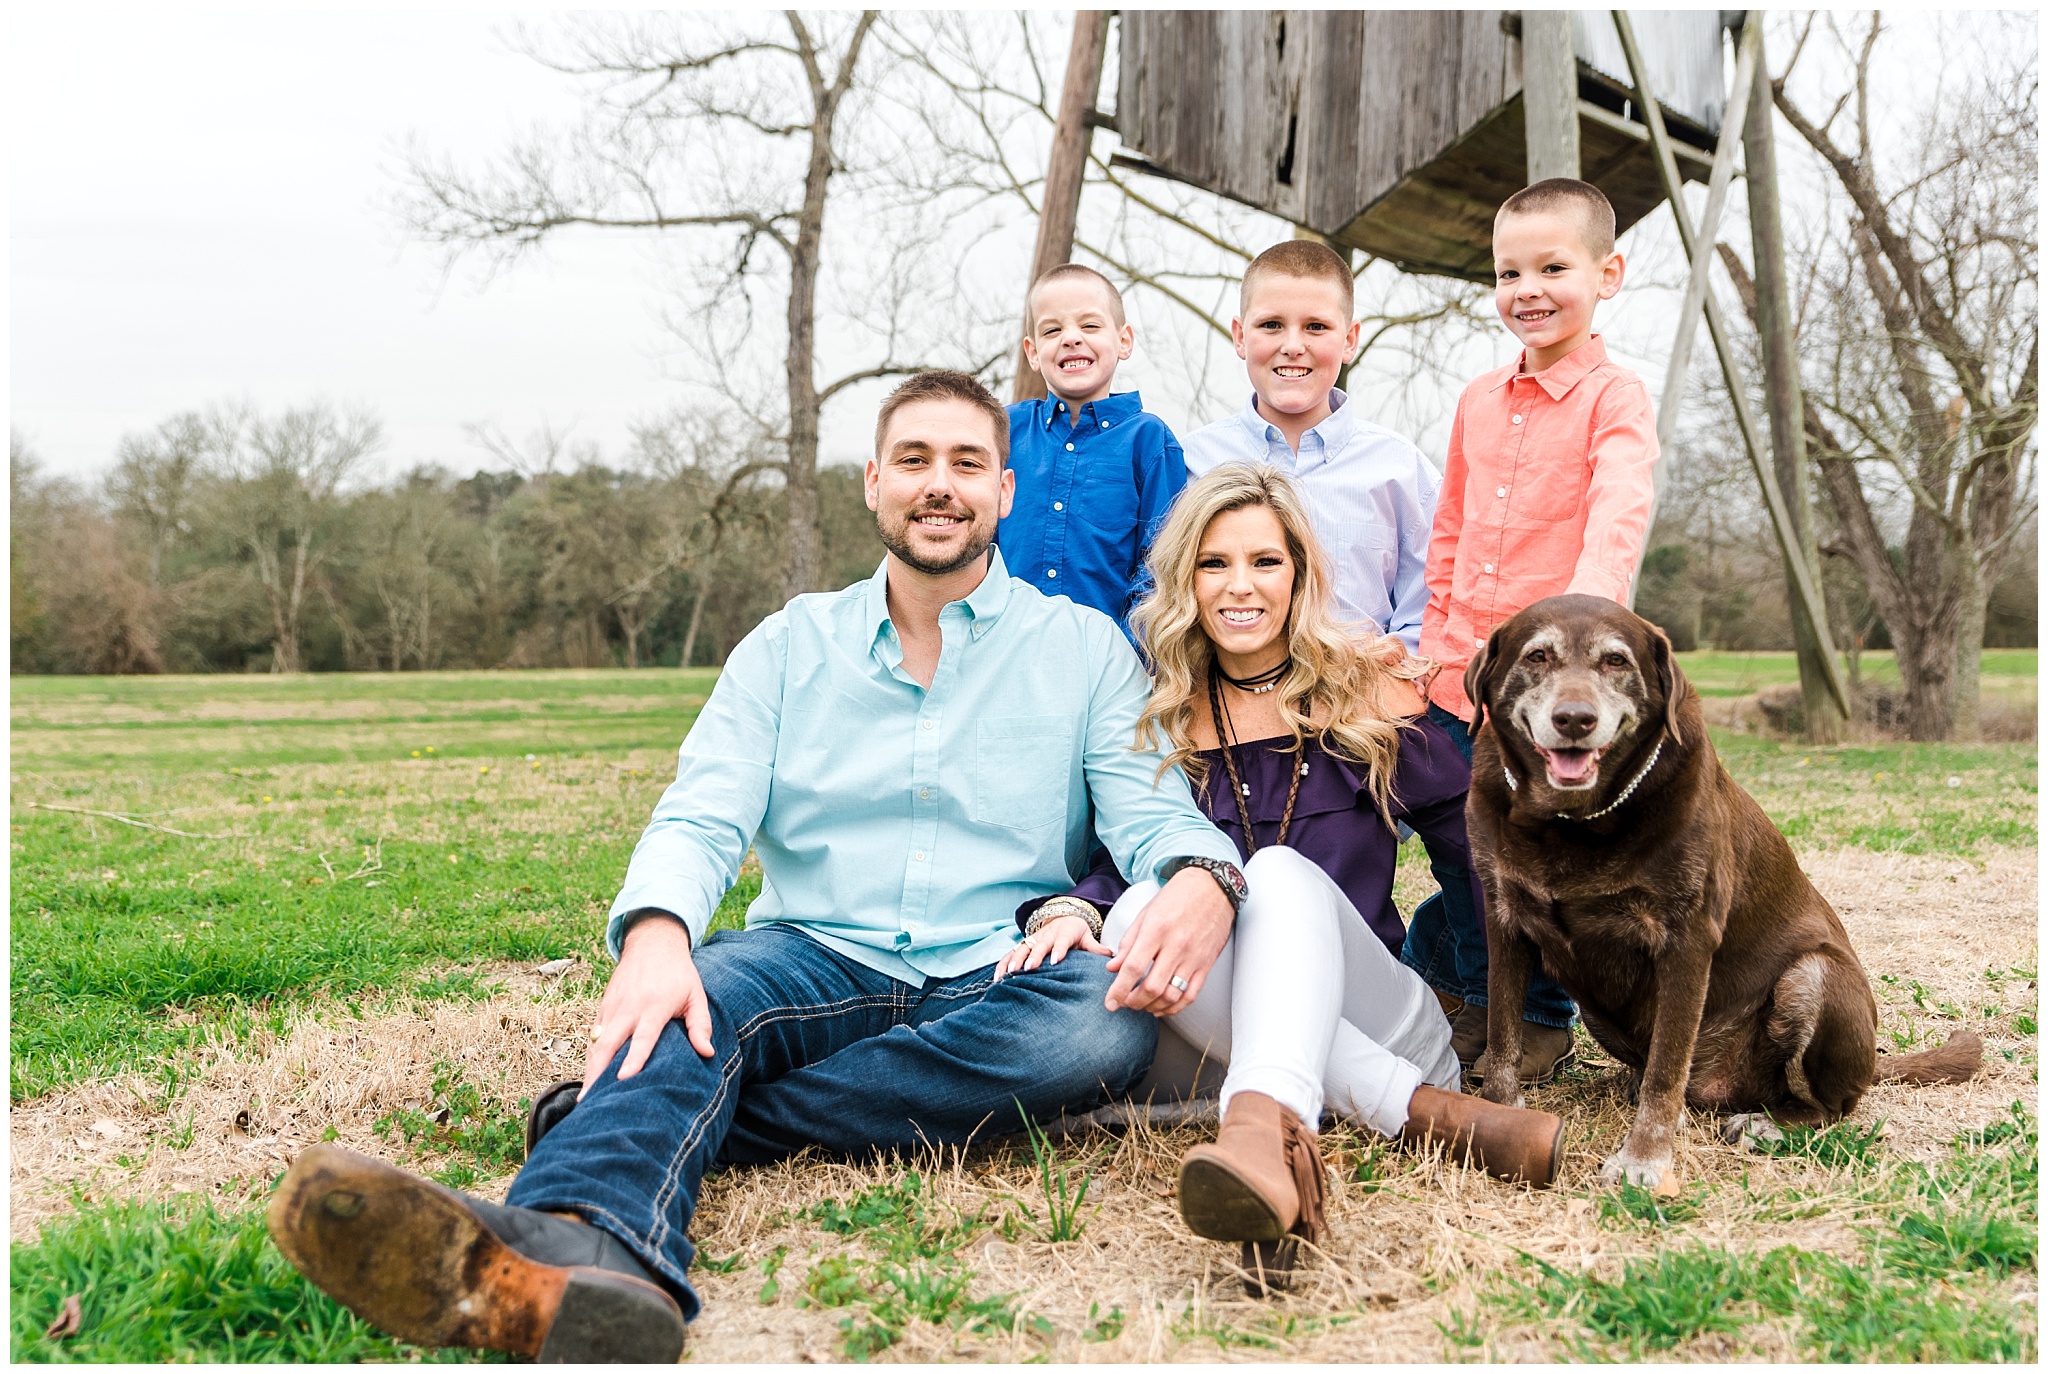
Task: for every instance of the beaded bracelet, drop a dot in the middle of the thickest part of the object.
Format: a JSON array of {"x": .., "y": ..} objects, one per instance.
[{"x": 1065, "y": 906}]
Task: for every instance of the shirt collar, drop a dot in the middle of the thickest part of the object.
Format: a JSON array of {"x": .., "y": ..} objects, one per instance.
[
  {"x": 1115, "y": 408},
  {"x": 1567, "y": 372},
  {"x": 984, "y": 605},
  {"x": 1332, "y": 429}
]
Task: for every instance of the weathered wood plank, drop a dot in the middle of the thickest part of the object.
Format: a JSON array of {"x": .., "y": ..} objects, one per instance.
[{"x": 1407, "y": 126}]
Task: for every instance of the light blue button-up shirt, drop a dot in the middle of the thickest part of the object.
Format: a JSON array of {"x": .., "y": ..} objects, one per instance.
[
  {"x": 1371, "y": 495},
  {"x": 903, "y": 826}
]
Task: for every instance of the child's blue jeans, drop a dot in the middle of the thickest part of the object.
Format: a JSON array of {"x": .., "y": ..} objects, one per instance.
[
  {"x": 812, "y": 1048},
  {"x": 1446, "y": 941}
]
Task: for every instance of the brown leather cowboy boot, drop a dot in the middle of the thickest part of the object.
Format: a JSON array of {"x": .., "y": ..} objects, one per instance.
[
  {"x": 1546, "y": 1052},
  {"x": 430, "y": 1265},
  {"x": 1514, "y": 1143},
  {"x": 1260, "y": 1183}
]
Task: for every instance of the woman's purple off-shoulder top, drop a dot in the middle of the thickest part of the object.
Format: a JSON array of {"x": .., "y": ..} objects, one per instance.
[{"x": 1336, "y": 824}]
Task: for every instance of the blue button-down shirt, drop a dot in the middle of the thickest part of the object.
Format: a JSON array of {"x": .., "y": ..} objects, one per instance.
[
  {"x": 1371, "y": 495},
  {"x": 903, "y": 826},
  {"x": 1090, "y": 496}
]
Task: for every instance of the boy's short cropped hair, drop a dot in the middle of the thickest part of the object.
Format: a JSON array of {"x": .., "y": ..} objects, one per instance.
[
  {"x": 1568, "y": 196},
  {"x": 1306, "y": 258},
  {"x": 944, "y": 384},
  {"x": 1076, "y": 271}
]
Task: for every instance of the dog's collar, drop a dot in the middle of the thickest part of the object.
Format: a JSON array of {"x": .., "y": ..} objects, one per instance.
[{"x": 1626, "y": 792}]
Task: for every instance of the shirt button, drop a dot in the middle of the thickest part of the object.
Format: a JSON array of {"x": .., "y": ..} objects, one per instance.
[
  {"x": 1489, "y": 567},
  {"x": 1070, "y": 448},
  {"x": 1500, "y": 491},
  {"x": 1105, "y": 424},
  {"x": 1059, "y": 505},
  {"x": 1052, "y": 572},
  {"x": 1514, "y": 419},
  {"x": 1479, "y": 644},
  {"x": 927, "y": 724},
  {"x": 920, "y": 856},
  {"x": 925, "y": 793}
]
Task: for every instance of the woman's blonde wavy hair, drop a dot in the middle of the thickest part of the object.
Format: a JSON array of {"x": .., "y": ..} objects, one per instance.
[{"x": 1334, "y": 676}]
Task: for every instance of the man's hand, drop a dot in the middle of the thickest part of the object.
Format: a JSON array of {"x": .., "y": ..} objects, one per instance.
[
  {"x": 1178, "y": 935},
  {"x": 655, "y": 983}
]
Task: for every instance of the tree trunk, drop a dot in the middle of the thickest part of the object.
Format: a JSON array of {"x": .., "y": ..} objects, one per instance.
[
  {"x": 1975, "y": 598},
  {"x": 804, "y": 570},
  {"x": 1062, "y": 203},
  {"x": 696, "y": 619}
]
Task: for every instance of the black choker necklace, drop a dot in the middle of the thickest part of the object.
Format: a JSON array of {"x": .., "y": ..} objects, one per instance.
[{"x": 1258, "y": 683}]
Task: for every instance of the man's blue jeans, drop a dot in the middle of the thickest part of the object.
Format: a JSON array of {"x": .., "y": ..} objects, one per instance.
[
  {"x": 812, "y": 1048},
  {"x": 1446, "y": 941}
]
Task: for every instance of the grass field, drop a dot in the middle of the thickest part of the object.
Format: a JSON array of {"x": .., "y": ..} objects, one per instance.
[
  {"x": 250, "y": 913},
  {"x": 2006, "y": 674}
]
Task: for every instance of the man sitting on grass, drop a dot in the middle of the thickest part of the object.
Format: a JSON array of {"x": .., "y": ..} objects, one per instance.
[{"x": 911, "y": 758}]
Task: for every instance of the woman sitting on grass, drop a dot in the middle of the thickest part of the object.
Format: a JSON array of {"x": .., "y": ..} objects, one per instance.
[{"x": 1305, "y": 746}]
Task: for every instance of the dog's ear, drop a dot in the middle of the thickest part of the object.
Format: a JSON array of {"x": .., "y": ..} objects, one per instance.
[
  {"x": 1669, "y": 679},
  {"x": 1479, "y": 678}
]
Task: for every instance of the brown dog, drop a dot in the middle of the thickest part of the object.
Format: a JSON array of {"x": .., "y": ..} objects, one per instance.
[{"x": 1614, "y": 845}]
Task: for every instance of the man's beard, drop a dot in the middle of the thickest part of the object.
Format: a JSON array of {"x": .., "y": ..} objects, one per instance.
[{"x": 896, "y": 539}]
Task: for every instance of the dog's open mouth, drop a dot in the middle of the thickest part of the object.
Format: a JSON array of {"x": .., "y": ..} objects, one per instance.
[{"x": 1571, "y": 768}]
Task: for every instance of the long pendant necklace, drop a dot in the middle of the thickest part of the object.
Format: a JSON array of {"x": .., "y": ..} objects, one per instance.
[{"x": 1226, "y": 736}]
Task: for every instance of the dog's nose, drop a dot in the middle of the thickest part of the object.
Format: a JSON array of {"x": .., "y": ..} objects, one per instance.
[{"x": 1574, "y": 719}]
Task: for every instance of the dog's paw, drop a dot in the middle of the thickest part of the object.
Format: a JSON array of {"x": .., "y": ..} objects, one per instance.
[
  {"x": 1751, "y": 1130},
  {"x": 1655, "y": 1174},
  {"x": 1508, "y": 1094}
]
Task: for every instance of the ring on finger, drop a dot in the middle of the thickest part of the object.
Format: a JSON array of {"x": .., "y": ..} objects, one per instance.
[{"x": 1177, "y": 983}]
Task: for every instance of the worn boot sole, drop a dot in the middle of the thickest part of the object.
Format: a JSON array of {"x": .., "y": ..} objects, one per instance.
[
  {"x": 1219, "y": 1204},
  {"x": 408, "y": 1257}
]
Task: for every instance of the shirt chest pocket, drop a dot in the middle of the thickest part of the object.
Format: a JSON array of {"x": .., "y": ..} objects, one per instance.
[
  {"x": 1023, "y": 769},
  {"x": 1106, "y": 494},
  {"x": 1549, "y": 489}
]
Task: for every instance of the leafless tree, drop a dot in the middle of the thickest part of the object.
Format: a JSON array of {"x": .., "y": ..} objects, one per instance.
[
  {"x": 734, "y": 128},
  {"x": 1920, "y": 332},
  {"x": 155, "y": 481},
  {"x": 277, "y": 493}
]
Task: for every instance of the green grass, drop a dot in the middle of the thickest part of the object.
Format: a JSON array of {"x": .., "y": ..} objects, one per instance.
[
  {"x": 180, "y": 1282},
  {"x": 504, "y": 838},
  {"x": 186, "y": 723},
  {"x": 2005, "y": 674},
  {"x": 1927, "y": 1283},
  {"x": 906, "y": 1269},
  {"x": 1908, "y": 798}
]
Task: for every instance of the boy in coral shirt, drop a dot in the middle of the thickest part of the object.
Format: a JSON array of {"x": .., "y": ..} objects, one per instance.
[{"x": 1546, "y": 491}]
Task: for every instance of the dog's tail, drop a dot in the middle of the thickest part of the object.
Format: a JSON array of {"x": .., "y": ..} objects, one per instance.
[{"x": 1955, "y": 1062}]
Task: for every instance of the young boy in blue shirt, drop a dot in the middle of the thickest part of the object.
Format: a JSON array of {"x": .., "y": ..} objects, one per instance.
[{"x": 1095, "y": 472}]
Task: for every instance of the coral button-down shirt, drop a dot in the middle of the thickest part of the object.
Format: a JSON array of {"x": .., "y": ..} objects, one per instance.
[{"x": 1546, "y": 492}]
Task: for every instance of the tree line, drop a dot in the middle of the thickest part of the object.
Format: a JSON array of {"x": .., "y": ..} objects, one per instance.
[{"x": 235, "y": 541}]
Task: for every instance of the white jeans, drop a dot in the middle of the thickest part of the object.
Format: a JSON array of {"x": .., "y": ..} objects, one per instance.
[{"x": 1304, "y": 1004}]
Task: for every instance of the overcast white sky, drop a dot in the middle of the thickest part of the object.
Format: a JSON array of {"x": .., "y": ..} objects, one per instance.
[{"x": 196, "y": 214}]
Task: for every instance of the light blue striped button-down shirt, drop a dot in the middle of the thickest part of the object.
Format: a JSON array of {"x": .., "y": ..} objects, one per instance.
[
  {"x": 903, "y": 826},
  {"x": 1371, "y": 495}
]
